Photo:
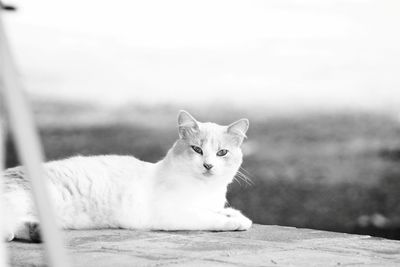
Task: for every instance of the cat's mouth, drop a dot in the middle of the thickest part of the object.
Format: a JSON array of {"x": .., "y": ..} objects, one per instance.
[{"x": 208, "y": 173}]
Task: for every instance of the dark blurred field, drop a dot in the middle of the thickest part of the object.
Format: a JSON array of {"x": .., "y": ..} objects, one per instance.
[{"x": 338, "y": 172}]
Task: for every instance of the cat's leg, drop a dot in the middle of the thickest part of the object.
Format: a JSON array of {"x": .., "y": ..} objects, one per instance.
[
  {"x": 20, "y": 221},
  {"x": 200, "y": 220},
  {"x": 9, "y": 219},
  {"x": 7, "y": 231},
  {"x": 29, "y": 230},
  {"x": 230, "y": 212},
  {"x": 7, "y": 226},
  {"x": 25, "y": 229}
]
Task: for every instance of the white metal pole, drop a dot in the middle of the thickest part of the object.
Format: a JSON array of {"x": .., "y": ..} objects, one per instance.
[
  {"x": 30, "y": 152},
  {"x": 3, "y": 252}
]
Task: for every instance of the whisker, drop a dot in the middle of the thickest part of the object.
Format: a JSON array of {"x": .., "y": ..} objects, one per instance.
[
  {"x": 244, "y": 170},
  {"x": 244, "y": 177},
  {"x": 235, "y": 179},
  {"x": 248, "y": 175}
]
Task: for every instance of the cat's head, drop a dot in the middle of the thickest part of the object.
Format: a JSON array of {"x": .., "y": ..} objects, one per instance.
[{"x": 207, "y": 150}]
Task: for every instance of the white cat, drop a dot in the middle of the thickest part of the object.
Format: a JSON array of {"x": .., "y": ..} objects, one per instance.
[{"x": 184, "y": 191}]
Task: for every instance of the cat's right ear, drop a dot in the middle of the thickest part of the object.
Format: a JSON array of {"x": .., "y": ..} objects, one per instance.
[
  {"x": 187, "y": 125},
  {"x": 238, "y": 129}
]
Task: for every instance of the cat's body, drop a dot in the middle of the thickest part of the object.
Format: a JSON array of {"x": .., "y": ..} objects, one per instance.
[{"x": 184, "y": 191}]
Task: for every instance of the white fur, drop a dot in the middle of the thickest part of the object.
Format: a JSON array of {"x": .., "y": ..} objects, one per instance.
[{"x": 123, "y": 192}]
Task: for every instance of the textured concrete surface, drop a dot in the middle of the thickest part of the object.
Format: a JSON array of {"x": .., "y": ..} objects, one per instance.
[{"x": 260, "y": 246}]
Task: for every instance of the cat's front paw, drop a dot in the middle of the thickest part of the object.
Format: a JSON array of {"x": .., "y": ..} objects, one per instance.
[
  {"x": 237, "y": 223},
  {"x": 9, "y": 237},
  {"x": 245, "y": 223},
  {"x": 241, "y": 221}
]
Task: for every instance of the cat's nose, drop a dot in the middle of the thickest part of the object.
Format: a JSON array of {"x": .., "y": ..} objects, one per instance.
[{"x": 208, "y": 166}]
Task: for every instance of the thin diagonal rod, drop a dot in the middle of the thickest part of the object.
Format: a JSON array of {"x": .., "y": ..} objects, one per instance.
[
  {"x": 30, "y": 152},
  {"x": 3, "y": 252}
]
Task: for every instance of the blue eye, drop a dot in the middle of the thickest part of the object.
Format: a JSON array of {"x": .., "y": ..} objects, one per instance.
[
  {"x": 197, "y": 150},
  {"x": 222, "y": 152}
]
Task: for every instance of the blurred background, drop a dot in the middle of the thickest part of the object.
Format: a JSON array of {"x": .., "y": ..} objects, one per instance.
[{"x": 319, "y": 81}]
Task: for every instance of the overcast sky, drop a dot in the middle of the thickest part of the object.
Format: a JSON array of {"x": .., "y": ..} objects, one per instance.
[{"x": 278, "y": 54}]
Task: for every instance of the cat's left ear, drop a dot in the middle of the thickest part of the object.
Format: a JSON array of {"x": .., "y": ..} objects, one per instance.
[
  {"x": 187, "y": 125},
  {"x": 238, "y": 129}
]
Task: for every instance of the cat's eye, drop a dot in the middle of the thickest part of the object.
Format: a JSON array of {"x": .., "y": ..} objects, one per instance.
[
  {"x": 197, "y": 150},
  {"x": 222, "y": 152}
]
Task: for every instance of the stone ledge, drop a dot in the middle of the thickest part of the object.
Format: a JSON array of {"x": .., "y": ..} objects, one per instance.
[{"x": 260, "y": 246}]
